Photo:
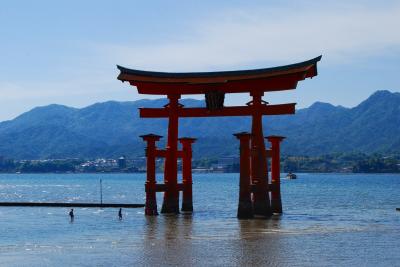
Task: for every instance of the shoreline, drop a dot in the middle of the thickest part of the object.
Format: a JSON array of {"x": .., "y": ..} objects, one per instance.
[{"x": 309, "y": 172}]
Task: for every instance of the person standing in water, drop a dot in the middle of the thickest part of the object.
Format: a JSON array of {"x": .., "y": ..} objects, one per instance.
[
  {"x": 120, "y": 213},
  {"x": 71, "y": 214}
]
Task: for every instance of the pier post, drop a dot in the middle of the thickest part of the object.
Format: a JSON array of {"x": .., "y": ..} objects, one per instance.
[
  {"x": 150, "y": 186},
  {"x": 276, "y": 202},
  {"x": 187, "y": 198},
  {"x": 259, "y": 168},
  {"x": 245, "y": 207},
  {"x": 171, "y": 194}
]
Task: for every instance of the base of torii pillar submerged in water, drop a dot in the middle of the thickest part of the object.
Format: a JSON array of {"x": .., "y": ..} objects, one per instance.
[{"x": 246, "y": 207}]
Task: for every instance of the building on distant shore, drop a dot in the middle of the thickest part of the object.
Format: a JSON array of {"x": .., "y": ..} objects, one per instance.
[
  {"x": 98, "y": 165},
  {"x": 229, "y": 160},
  {"x": 226, "y": 164},
  {"x": 122, "y": 162}
]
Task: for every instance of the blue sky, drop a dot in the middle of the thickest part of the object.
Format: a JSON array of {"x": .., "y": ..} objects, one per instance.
[{"x": 65, "y": 52}]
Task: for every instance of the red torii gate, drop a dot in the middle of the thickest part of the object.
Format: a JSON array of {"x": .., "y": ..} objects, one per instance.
[{"x": 254, "y": 183}]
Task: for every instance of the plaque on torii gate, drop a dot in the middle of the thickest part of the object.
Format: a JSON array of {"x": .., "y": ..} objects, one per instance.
[{"x": 214, "y": 85}]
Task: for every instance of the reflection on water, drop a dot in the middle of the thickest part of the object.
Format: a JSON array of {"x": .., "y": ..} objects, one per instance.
[
  {"x": 258, "y": 244},
  {"x": 168, "y": 239},
  {"x": 328, "y": 220},
  {"x": 182, "y": 240}
]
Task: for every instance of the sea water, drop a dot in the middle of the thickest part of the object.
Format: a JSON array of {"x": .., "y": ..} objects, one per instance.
[{"x": 328, "y": 220}]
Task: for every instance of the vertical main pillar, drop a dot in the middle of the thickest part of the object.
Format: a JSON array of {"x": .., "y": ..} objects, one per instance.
[
  {"x": 150, "y": 186},
  {"x": 171, "y": 195},
  {"x": 187, "y": 198},
  {"x": 259, "y": 170},
  {"x": 276, "y": 202},
  {"x": 245, "y": 207}
]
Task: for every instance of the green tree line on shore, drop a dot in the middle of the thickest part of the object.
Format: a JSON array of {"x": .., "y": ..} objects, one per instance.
[
  {"x": 343, "y": 162},
  {"x": 339, "y": 162},
  {"x": 61, "y": 166}
]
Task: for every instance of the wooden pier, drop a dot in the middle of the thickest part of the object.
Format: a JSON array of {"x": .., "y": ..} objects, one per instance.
[{"x": 69, "y": 205}]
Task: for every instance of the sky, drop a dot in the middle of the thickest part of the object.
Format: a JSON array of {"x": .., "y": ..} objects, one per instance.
[{"x": 66, "y": 52}]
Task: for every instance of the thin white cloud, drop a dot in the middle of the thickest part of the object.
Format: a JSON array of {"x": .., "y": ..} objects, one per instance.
[{"x": 245, "y": 37}]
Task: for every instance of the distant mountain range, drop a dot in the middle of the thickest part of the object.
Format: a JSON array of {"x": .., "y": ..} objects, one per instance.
[{"x": 112, "y": 129}]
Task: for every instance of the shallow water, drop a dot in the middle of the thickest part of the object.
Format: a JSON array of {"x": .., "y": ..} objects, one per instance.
[{"x": 328, "y": 220}]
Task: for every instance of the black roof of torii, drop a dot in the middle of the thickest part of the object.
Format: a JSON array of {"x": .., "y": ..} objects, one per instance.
[{"x": 216, "y": 73}]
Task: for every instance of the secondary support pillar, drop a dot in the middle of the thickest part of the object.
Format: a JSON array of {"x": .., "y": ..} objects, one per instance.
[
  {"x": 245, "y": 207},
  {"x": 187, "y": 198},
  {"x": 259, "y": 170},
  {"x": 150, "y": 186},
  {"x": 171, "y": 195},
  {"x": 276, "y": 202}
]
